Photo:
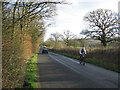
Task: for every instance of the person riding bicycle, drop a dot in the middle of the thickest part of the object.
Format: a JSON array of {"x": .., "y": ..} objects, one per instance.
[{"x": 82, "y": 55}]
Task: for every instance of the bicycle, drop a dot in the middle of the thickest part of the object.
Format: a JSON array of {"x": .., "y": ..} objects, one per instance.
[{"x": 82, "y": 59}]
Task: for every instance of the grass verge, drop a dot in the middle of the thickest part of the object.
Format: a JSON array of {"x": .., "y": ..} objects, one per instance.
[
  {"x": 105, "y": 65},
  {"x": 31, "y": 74}
]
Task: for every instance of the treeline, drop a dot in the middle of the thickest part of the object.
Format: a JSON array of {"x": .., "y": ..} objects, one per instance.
[
  {"x": 22, "y": 31},
  {"x": 103, "y": 26},
  {"x": 75, "y": 42}
]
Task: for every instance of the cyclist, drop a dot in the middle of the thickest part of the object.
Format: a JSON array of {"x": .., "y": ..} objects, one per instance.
[{"x": 82, "y": 55}]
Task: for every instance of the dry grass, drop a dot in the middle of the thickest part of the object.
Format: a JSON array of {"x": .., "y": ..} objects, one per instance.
[
  {"x": 109, "y": 55},
  {"x": 105, "y": 57}
]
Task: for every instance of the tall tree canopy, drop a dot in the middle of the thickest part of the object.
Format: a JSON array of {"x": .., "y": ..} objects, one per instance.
[{"x": 103, "y": 25}]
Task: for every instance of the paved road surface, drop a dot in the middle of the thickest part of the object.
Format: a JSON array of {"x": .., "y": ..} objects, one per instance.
[{"x": 57, "y": 71}]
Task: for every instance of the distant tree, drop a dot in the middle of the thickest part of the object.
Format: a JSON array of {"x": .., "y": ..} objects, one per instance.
[
  {"x": 56, "y": 37},
  {"x": 68, "y": 36},
  {"x": 103, "y": 24}
]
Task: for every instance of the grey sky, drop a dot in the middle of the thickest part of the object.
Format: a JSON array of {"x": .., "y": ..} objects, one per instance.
[{"x": 70, "y": 17}]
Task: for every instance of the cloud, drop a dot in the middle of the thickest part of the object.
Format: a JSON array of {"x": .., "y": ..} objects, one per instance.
[{"x": 70, "y": 17}]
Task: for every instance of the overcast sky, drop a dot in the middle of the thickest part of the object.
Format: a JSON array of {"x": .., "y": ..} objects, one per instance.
[{"x": 70, "y": 17}]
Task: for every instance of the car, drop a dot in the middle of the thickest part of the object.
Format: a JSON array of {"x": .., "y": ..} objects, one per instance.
[{"x": 43, "y": 50}]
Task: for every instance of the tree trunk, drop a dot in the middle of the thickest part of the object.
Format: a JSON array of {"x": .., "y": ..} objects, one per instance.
[
  {"x": 103, "y": 38},
  {"x": 13, "y": 21}
]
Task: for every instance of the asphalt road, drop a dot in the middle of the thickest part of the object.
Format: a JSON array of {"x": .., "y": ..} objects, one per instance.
[{"x": 57, "y": 71}]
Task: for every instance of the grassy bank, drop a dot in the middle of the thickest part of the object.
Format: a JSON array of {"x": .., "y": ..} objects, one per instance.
[
  {"x": 31, "y": 74},
  {"x": 93, "y": 57}
]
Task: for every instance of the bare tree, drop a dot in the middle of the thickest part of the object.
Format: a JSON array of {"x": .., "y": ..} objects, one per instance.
[
  {"x": 67, "y": 37},
  {"x": 103, "y": 24},
  {"x": 56, "y": 37}
]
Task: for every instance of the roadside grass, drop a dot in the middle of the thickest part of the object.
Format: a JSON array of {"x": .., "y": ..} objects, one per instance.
[
  {"x": 31, "y": 74},
  {"x": 106, "y": 65},
  {"x": 109, "y": 66}
]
